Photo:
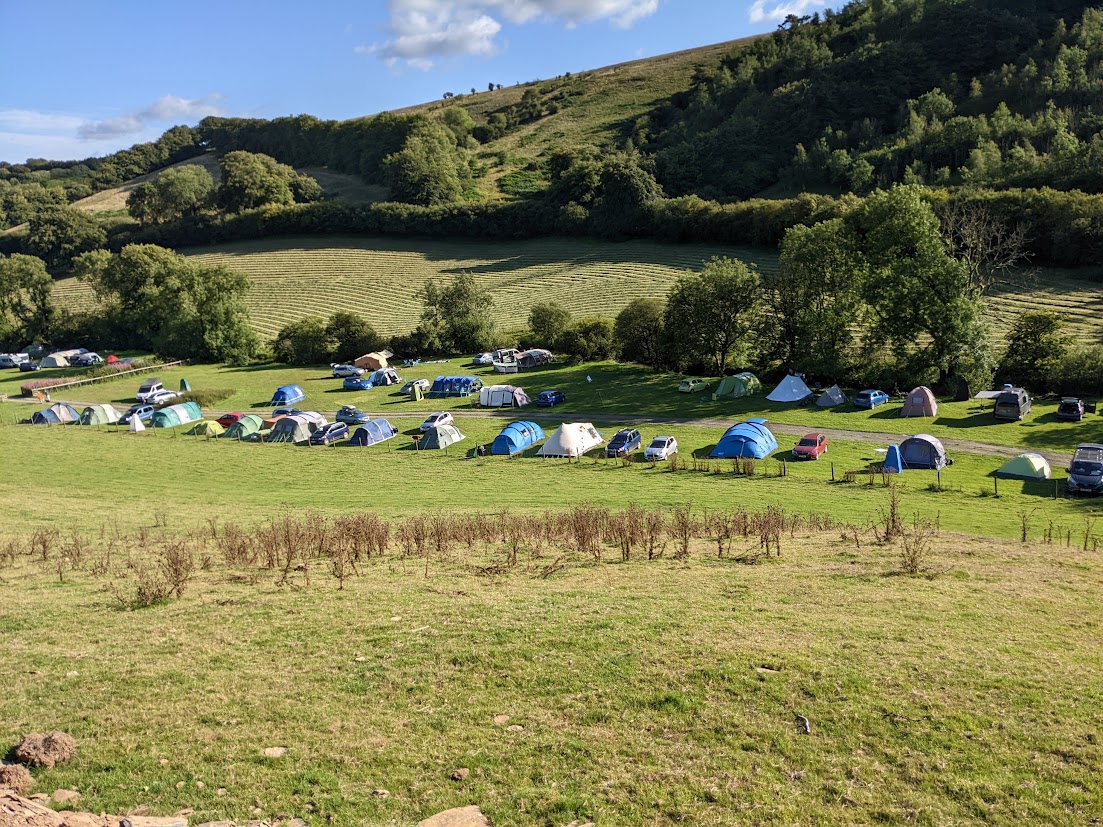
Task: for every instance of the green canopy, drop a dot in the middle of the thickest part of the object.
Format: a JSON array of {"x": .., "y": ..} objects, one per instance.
[{"x": 741, "y": 384}]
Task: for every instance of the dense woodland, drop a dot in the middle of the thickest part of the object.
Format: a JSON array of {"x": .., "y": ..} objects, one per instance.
[{"x": 984, "y": 118}]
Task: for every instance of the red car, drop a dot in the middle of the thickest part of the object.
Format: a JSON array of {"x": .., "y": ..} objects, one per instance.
[
  {"x": 810, "y": 446},
  {"x": 228, "y": 419}
]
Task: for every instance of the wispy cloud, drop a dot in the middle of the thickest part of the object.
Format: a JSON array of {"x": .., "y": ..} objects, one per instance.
[
  {"x": 763, "y": 11},
  {"x": 165, "y": 109},
  {"x": 425, "y": 29}
]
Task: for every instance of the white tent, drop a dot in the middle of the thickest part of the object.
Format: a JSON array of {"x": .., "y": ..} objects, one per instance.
[
  {"x": 55, "y": 360},
  {"x": 831, "y": 397},
  {"x": 503, "y": 396},
  {"x": 136, "y": 424},
  {"x": 790, "y": 389},
  {"x": 571, "y": 439}
]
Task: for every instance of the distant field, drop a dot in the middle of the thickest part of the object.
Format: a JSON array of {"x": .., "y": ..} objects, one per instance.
[{"x": 379, "y": 278}]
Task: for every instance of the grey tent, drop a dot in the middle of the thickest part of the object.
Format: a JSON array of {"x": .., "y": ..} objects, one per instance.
[
  {"x": 440, "y": 437},
  {"x": 923, "y": 451},
  {"x": 831, "y": 397}
]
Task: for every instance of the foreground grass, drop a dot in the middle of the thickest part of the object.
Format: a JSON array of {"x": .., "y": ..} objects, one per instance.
[{"x": 648, "y": 692}]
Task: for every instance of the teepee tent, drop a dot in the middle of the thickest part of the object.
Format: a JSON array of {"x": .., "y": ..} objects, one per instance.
[
  {"x": 790, "y": 389},
  {"x": 571, "y": 439},
  {"x": 440, "y": 437},
  {"x": 740, "y": 384},
  {"x": 1025, "y": 467},
  {"x": 920, "y": 402},
  {"x": 831, "y": 397},
  {"x": 136, "y": 425}
]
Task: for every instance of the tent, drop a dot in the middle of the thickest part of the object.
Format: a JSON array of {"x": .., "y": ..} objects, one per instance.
[
  {"x": 294, "y": 428},
  {"x": 373, "y": 432},
  {"x": 417, "y": 393},
  {"x": 503, "y": 396},
  {"x": 534, "y": 358},
  {"x": 270, "y": 422},
  {"x": 455, "y": 386},
  {"x": 893, "y": 464},
  {"x": 741, "y": 384},
  {"x": 136, "y": 425},
  {"x": 287, "y": 394},
  {"x": 440, "y": 437},
  {"x": 185, "y": 386},
  {"x": 1025, "y": 467},
  {"x": 384, "y": 376},
  {"x": 112, "y": 359},
  {"x": 173, "y": 415},
  {"x": 923, "y": 451},
  {"x": 831, "y": 397},
  {"x": 571, "y": 439},
  {"x": 248, "y": 424},
  {"x": 790, "y": 389},
  {"x": 375, "y": 360},
  {"x": 207, "y": 429},
  {"x": 751, "y": 439},
  {"x": 99, "y": 415},
  {"x": 515, "y": 438},
  {"x": 920, "y": 402},
  {"x": 54, "y": 360},
  {"x": 57, "y": 414}
]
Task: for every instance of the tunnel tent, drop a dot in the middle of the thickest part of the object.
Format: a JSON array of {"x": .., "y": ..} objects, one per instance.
[
  {"x": 503, "y": 396},
  {"x": 737, "y": 385},
  {"x": 294, "y": 428},
  {"x": 750, "y": 440},
  {"x": 248, "y": 424},
  {"x": 372, "y": 433},
  {"x": 516, "y": 437},
  {"x": 571, "y": 439}
]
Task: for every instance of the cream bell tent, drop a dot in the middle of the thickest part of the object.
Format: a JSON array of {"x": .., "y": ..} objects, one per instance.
[
  {"x": 920, "y": 402},
  {"x": 571, "y": 439}
]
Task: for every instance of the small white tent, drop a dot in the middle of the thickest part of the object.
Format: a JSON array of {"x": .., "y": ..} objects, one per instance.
[
  {"x": 790, "y": 389},
  {"x": 503, "y": 396},
  {"x": 571, "y": 439},
  {"x": 136, "y": 424},
  {"x": 831, "y": 397}
]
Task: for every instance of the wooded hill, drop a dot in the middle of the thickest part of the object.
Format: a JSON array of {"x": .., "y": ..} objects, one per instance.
[{"x": 981, "y": 101}]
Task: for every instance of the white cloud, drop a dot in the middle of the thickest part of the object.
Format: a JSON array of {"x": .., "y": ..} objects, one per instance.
[
  {"x": 425, "y": 29},
  {"x": 164, "y": 109},
  {"x": 765, "y": 11}
]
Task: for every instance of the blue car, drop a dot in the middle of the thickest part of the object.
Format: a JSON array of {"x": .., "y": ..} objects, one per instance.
[
  {"x": 330, "y": 433},
  {"x": 356, "y": 383},
  {"x": 870, "y": 399},
  {"x": 143, "y": 412},
  {"x": 351, "y": 415},
  {"x": 547, "y": 399}
]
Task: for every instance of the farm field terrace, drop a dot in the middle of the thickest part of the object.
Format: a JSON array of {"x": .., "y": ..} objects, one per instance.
[{"x": 594, "y": 391}]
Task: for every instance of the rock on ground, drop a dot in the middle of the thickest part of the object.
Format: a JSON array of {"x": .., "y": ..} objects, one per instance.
[
  {"x": 39, "y": 749},
  {"x": 16, "y": 778},
  {"x": 459, "y": 817}
]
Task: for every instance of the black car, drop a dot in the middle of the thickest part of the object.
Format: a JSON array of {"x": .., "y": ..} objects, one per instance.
[
  {"x": 28, "y": 366},
  {"x": 332, "y": 432},
  {"x": 1070, "y": 409},
  {"x": 624, "y": 442}
]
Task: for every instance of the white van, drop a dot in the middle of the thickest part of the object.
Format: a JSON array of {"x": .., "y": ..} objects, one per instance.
[
  {"x": 149, "y": 388},
  {"x": 13, "y": 360}
]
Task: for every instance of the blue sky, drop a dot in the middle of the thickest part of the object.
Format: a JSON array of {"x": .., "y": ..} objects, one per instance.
[{"x": 86, "y": 79}]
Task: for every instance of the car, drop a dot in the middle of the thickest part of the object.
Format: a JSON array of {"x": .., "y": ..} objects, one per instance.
[
  {"x": 693, "y": 386},
  {"x": 1086, "y": 470},
  {"x": 286, "y": 411},
  {"x": 486, "y": 358},
  {"x": 148, "y": 388},
  {"x": 408, "y": 388},
  {"x": 624, "y": 442},
  {"x": 357, "y": 383},
  {"x": 870, "y": 399},
  {"x": 143, "y": 412},
  {"x": 28, "y": 366},
  {"x": 1070, "y": 409},
  {"x": 1012, "y": 404},
  {"x": 811, "y": 446},
  {"x": 341, "y": 371},
  {"x": 87, "y": 360},
  {"x": 161, "y": 397},
  {"x": 547, "y": 399},
  {"x": 228, "y": 419},
  {"x": 661, "y": 448},
  {"x": 437, "y": 420},
  {"x": 352, "y": 415},
  {"x": 332, "y": 432}
]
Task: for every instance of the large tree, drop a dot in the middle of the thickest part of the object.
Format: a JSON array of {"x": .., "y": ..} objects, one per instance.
[
  {"x": 59, "y": 234},
  {"x": 547, "y": 321},
  {"x": 1036, "y": 346},
  {"x": 429, "y": 169},
  {"x": 171, "y": 195},
  {"x": 710, "y": 316},
  {"x": 26, "y": 305},
  {"x": 456, "y": 317},
  {"x": 638, "y": 332},
  {"x": 251, "y": 180}
]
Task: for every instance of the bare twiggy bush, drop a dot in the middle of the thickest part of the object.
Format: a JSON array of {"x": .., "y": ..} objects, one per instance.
[
  {"x": 892, "y": 524},
  {"x": 768, "y": 525},
  {"x": 237, "y": 546},
  {"x": 43, "y": 541},
  {"x": 177, "y": 566},
  {"x": 514, "y": 533},
  {"x": 143, "y": 536},
  {"x": 655, "y": 539},
  {"x": 75, "y": 549},
  {"x": 586, "y": 525},
  {"x": 628, "y": 529},
  {"x": 719, "y": 527},
  {"x": 675, "y": 463},
  {"x": 681, "y": 528},
  {"x": 915, "y": 548},
  {"x": 441, "y": 533},
  {"x": 161, "y": 519}
]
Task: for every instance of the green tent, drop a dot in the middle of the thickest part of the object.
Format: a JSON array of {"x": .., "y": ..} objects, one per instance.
[
  {"x": 185, "y": 386},
  {"x": 207, "y": 429},
  {"x": 741, "y": 384},
  {"x": 416, "y": 393},
  {"x": 248, "y": 424},
  {"x": 165, "y": 418},
  {"x": 440, "y": 437},
  {"x": 99, "y": 415},
  {"x": 1025, "y": 467}
]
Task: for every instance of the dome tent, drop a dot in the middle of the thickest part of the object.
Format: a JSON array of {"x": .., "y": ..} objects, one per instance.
[
  {"x": 248, "y": 424},
  {"x": 287, "y": 395},
  {"x": 923, "y": 451},
  {"x": 205, "y": 428},
  {"x": 734, "y": 387},
  {"x": 920, "y": 402},
  {"x": 440, "y": 437},
  {"x": 99, "y": 415},
  {"x": 373, "y": 432},
  {"x": 751, "y": 439},
  {"x": 1029, "y": 466},
  {"x": 57, "y": 414}
]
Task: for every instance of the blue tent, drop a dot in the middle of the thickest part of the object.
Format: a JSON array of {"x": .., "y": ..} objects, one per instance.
[
  {"x": 751, "y": 439},
  {"x": 923, "y": 451},
  {"x": 516, "y": 437},
  {"x": 287, "y": 394},
  {"x": 57, "y": 414},
  {"x": 455, "y": 386},
  {"x": 893, "y": 463},
  {"x": 373, "y": 432}
]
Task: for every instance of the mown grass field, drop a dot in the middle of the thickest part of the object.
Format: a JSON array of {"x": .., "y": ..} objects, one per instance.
[
  {"x": 379, "y": 278},
  {"x": 647, "y": 693}
]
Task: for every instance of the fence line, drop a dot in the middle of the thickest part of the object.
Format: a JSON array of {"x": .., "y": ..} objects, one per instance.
[{"x": 104, "y": 378}]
